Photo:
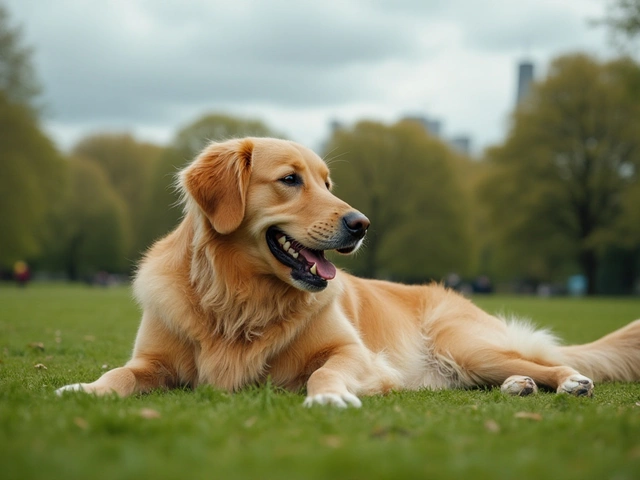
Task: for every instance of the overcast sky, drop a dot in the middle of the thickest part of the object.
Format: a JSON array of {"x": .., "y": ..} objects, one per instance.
[{"x": 153, "y": 66}]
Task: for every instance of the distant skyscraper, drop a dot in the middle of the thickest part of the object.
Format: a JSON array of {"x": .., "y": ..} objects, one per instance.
[
  {"x": 525, "y": 78},
  {"x": 462, "y": 143}
]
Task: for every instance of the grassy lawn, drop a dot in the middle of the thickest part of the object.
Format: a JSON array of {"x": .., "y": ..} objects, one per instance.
[{"x": 74, "y": 333}]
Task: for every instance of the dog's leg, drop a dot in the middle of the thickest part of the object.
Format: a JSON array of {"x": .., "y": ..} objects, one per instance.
[
  {"x": 496, "y": 368},
  {"x": 160, "y": 360},
  {"x": 137, "y": 376},
  {"x": 328, "y": 385}
]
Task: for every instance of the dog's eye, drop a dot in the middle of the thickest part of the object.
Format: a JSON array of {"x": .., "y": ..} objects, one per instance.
[{"x": 292, "y": 179}]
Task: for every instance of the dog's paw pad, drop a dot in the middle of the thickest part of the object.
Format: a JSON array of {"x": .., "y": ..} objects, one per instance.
[
  {"x": 519, "y": 386},
  {"x": 337, "y": 400},
  {"x": 577, "y": 385},
  {"x": 74, "y": 387}
]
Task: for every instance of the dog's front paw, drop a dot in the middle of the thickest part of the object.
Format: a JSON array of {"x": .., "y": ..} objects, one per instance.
[
  {"x": 342, "y": 400},
  {"x": 518, "y": 385},
  {"x": 74, "y": 387},
  {"x": 577, "y": 385}
]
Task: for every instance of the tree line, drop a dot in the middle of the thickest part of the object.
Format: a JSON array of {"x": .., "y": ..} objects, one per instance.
[{"x": 560, "y": 196}]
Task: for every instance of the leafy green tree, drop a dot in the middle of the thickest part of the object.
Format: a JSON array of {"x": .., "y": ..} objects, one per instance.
[
  {"x": 623, "y": 20},
  {"x": 92, "y": 228},
  {"x": 129, "y": 166},
  {"x": 557, "y": 184},
  {"x": 164, "y": 212},
  {"x": 18, "y": 81},
  {"x": 31, "y": 171},
  {"x": 407, "y": 184},
  {"x": 31, "y": 180}
]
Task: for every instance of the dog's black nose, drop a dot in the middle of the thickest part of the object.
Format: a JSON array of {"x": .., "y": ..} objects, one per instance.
[{"x": 356, "y": 224}]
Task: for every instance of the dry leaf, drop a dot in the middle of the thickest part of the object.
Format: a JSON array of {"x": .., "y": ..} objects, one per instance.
[
  {"x": 492, "y": 426},
  {"x": 37, "y": 346},
  {"x": 90, "y": 338},
  {"x": 332, "y": 441},
  {"x": 40, "y": 366},
  {"x": 531, "y": 415},
  {"x": 149, "y": 413},
  {"x": 81, "y": 423},
  {"x": 250, "y": 422}
]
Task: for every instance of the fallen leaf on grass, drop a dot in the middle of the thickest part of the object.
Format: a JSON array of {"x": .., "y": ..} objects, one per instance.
[
  {"x": 386, "y": 432},
  {"x": 40, "y": 366},
  {"x": 332, "y": 441},
  {"x": 81, "y": 423},
  {"x": 492, "y": 426},
  {"x": 250, "y": 422},
  {"x": 531, "y": 415},
  {"x": 37, "y": 346},
  {"x": 149, "y": 413}
]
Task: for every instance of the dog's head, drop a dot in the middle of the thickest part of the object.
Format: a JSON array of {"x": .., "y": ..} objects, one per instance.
[{"x": 273, "y": 199}]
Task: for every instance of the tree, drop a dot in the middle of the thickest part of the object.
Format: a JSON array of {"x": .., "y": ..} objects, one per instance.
[
  {"x": 406, "y": 182},
  {"x": 623, "y": 20},
  {"x": 164, "y": 213},
  {"x": 557, "y": 183},
  {"x": 31, "y": 182},
  {"x": 31, "y": 171},
  {"x": 18, "y": 81},
  {"x": 92, "y": 228},
  {"x": 128, "y": 165}
]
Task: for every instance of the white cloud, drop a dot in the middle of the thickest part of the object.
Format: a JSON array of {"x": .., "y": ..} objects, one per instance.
[{"x": 152, "y": 66}]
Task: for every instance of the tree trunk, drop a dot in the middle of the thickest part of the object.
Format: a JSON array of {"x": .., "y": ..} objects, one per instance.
[
  {"x": 589, "y": 264},
  {"x": 72, "y": 258}
]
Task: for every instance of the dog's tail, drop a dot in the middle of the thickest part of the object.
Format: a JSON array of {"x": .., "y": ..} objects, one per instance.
[{"x": 613, "y": 357}]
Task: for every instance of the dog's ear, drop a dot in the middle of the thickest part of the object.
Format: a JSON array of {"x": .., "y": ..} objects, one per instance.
[{"x": 218, "y": 180}]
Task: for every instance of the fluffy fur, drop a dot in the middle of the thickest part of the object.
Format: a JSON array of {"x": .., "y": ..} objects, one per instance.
[{"x": 222, "y": 306}]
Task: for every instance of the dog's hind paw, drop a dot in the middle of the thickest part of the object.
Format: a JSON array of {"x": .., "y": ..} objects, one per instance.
[
  {"x": 519, "y": 386},
  {"x": 337, "y": 400},
  {"x": 577, "y": 385}
]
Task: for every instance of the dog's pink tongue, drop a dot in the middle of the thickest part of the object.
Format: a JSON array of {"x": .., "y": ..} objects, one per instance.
[{"x": 325, "y": 268}]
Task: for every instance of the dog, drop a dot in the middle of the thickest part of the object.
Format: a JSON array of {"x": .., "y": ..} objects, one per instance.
[{"x": 241, "y": 291}]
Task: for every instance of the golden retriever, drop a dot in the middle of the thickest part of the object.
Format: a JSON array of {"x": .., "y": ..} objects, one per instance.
[{"x": 241, "y": 291}]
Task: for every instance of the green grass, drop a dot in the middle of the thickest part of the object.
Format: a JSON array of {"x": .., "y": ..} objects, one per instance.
[{"x": 266, "y": 433}]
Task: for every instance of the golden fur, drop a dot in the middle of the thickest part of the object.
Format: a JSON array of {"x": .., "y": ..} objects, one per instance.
[{"x": 219, "y": 307}]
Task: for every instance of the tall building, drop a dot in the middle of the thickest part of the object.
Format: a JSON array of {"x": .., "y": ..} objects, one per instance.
[
  {"x": 462, "y": 143},
  {"x": 525, "y": 79}
]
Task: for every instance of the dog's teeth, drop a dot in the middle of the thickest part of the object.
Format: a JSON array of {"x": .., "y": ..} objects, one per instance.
[
  {"x": 291, "y": 251},
  {"x": 286, "y": 246},
  {"x": 314, "y": 269},
  {"x": 282, "y": 239},
  {"x": 294, "y": 254}
]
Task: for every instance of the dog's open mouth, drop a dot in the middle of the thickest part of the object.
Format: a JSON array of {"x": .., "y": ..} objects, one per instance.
[{"x": 307, "y": 265}]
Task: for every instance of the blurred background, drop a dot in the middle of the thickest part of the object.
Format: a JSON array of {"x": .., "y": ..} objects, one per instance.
[{"x": 495, "y": 145}]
